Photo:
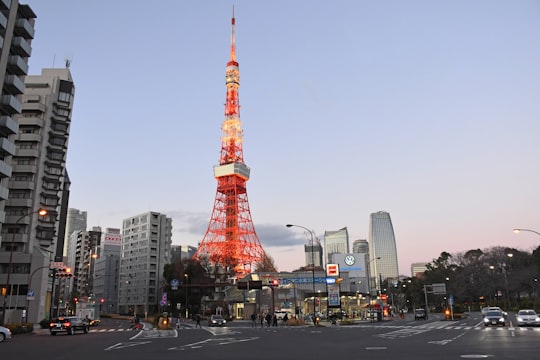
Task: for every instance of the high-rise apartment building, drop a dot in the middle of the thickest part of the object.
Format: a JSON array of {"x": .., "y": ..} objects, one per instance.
[
  {"x": 146, "y": 249},
  {"x": 16, "y": 34},
  {"x": 335, "y": 242},
  {"x": 383, "y": 248},
  {"x": 38, "y": 181},
  {"x": 360, "y": 246}
]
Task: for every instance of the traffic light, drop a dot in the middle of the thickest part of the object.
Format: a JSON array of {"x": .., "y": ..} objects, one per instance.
[{"x": 76, "y": 300}]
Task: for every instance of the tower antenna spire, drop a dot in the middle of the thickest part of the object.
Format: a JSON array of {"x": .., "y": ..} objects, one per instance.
[{"x": 233, "y": 37}]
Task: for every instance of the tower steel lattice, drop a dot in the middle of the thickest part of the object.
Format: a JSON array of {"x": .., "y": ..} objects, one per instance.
[{"x": 230, "y": 240}]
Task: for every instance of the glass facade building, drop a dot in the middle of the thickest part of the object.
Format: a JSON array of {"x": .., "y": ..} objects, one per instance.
[{"x": 383, "y": 248}]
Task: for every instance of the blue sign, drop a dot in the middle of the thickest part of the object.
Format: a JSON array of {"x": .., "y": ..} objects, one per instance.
[{"x": 451, "y": 299}]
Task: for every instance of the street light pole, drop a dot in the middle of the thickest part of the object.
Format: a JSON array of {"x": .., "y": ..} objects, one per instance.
[
  {"x": 369, "y": 285},
  {"x": 41, "y": 212},
  {"x": 186, "y": 288},
  {"x": 517, "y": 231},
  {"x": 312, "y": 263}
]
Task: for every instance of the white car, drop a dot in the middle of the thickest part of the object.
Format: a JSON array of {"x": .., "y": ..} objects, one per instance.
[
  {"x": 527, "y": 317},
  {"x": 5, "y": 333}
]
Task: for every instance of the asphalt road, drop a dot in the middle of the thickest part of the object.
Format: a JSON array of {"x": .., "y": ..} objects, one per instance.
[{"x": 398, "y": 339}]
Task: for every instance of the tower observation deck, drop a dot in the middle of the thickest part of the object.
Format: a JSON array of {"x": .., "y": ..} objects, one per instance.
[{"x": 230, "y": 240}]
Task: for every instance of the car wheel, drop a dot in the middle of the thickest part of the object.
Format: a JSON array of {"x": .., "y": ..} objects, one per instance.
[
  {"x": 2, "y": 337},
  {"x": 53, "y": 334},
  {"x": 71, "y": 331}
]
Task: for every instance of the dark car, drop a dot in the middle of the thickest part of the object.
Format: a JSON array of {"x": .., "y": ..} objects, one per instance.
[
  {"x": 420, "y": 314},
  {"x": 68, "y": 325},
  {"x": 216, "y": 320},
  {"x": 495, "y": 317}
]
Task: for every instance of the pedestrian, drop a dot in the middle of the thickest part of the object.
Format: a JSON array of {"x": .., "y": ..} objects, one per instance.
[
  {"x": 261, "y": 319},
  {"x": 285, "y": 319},
  {"x": 198, "y": 323},
  {"x": 268, "y": 318},
  {"x": 253, "y": 320},
  {"x": 274, "y": 320}
]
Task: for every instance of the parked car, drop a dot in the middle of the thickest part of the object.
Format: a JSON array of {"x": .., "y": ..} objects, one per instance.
[
  {"x": 494, "y": 317},
  {"x": 420, "y": 314},
  {"x": 527, "y": 317},
  {"x": 216, "y": 320},
  {"x": 68, "y": 325},
  {"x": 5, "y": 333}
]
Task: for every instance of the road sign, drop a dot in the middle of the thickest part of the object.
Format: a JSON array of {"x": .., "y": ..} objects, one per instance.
[
  {"x": 451, "y": 299},
  {"x": 30, "y": 295},
  {"x": 439, "y": 289}
]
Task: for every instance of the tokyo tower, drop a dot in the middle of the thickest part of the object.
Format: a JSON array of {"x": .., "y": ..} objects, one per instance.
[{"x": 230, "y": 240}]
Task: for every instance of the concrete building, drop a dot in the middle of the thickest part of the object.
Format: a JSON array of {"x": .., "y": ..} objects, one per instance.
[
  {"x": 146, "y": 249},
  {"x": 38, "y": 181},
  {"x": 76, "y": 220},
  {"x": 418, "y": 269},
  {"x": 383, "y": 248},
  {"x": 107, "y": 271},
  {"x": 182, "y": 252},
  {"x": 314, "y": 254},
  {"x": 16, "y": 34},
  {"x": 335, "y": 242}
]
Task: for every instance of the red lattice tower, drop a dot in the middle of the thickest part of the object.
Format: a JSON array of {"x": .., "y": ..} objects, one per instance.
[{"x": 231, "y": 240}]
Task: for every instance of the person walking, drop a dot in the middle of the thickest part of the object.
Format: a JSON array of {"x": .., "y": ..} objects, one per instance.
[
  {"x": 261, "y": 319},
  {"x": 253, "y": 320},
  {"x": 268, "y": 318},
  {"x": 198, "y": 323},
  {"x": 274, "y": 320}
]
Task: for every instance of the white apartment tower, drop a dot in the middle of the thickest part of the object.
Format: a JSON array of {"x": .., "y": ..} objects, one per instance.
[
  {"x": 145, "y": 250},
  {"x": 335, "y": 242}
]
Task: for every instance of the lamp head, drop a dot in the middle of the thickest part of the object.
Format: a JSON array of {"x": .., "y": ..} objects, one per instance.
[
  {"x": 42, "y": 212},
  {"x": 288, "y": 225}
]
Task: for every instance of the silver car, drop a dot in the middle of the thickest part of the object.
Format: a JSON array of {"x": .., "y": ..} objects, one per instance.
[
  {"x": 5, "y": 333},
  {"x": 527, "y": 317},
  {"x": 216, "y": 320}
]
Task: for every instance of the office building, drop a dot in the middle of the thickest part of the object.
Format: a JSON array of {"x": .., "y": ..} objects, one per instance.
[
  {"x": 107, "y": 271},
  {"x": 335, "y": 242},
  {"x": 418, "y": 269},
  {"x": 146, "y": 249},
  {"x": 75, "y": 222},
  {"x": 182, "y": 252},
  {"x": 383, "y": 248},
  {"x": 314, "y": 255}
]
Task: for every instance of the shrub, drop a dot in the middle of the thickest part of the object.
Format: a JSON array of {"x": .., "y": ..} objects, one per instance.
[{"x": 44, "y": 323}]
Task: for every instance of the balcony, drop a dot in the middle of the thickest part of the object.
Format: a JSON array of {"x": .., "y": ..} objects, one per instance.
[
  {"x": 3, "y": 21},
  {"x": 24, "y": 28},
  {"x": 5, "y": 170},
  {"x": 14, "y": 84},
  {"x": 7, "y": 147},
  {"x": 17, "y": 65},
  {"x": 20, "y": 46},
  {"x": 8, "y": 126},
  {"x": 10, "y": 104}
]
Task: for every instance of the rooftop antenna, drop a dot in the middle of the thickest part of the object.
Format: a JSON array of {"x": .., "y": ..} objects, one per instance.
[{"x": 68, "y": 62}]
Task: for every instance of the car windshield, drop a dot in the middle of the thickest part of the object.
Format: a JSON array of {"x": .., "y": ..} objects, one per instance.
[
  {"x": 527, "y": 312},
  {"x": 494, "y": 313}
]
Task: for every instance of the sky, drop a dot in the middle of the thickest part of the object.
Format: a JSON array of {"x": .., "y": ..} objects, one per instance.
[{"x": 428, "y": 110}]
